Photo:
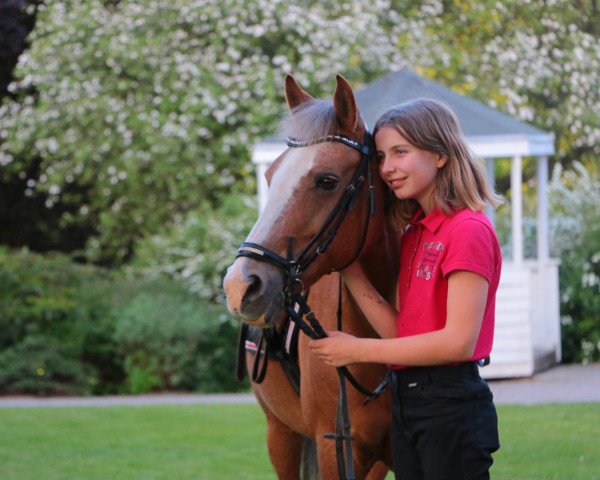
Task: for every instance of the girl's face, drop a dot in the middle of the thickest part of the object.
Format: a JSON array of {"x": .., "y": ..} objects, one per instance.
[{"x": 409, "y": 171}]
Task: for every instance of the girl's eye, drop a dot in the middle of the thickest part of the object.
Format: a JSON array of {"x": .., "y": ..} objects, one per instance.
[
  {"x": 327, "y": 182},
  {"x": 379, "y": 157},
  {"x": 399, "y": 152}
]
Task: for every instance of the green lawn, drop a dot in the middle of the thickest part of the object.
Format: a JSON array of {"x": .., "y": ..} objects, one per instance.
[{"x": 227, "y": 442}]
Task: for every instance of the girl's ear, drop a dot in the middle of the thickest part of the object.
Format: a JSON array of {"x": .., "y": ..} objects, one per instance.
[{"x": 441, "y": 161}]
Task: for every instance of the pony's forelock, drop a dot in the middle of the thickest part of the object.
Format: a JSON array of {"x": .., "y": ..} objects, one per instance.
[{"x": 309, "y": 120}]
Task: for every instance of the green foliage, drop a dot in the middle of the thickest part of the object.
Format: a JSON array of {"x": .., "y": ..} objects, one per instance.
[
  {"x": 49, "y": 334},
  {"x": 71, "y": 329},
  {"x": 173, "y": 341},
  {"x": 40, "y": 365},
  {"x": 574, "y": 196},
  {"x": 198, "y": 252},
  {"x": 574, "y": 200},
  {"x": 131, "y": 124}
]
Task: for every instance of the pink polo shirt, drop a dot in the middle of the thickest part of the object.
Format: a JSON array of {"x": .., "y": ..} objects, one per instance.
[{"x": 434, "y": 247}]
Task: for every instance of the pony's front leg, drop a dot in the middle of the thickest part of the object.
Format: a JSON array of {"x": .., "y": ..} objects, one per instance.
[
  {"x": 328, "y": 467},
  {"x": 285, "y": 449},
  {"x": 378, "y": 471},
  {"x": 364, "y": 467}
]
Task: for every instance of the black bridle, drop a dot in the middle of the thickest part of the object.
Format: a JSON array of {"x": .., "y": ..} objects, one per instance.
[
  {"x": 295, "y": 302},
  {"x": 325, "y": 235}
]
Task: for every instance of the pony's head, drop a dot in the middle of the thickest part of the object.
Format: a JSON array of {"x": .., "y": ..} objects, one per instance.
[{"x": 316, "y": 217}]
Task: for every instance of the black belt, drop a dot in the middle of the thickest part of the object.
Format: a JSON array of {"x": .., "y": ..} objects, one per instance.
[{"x": 411, "y": 377}]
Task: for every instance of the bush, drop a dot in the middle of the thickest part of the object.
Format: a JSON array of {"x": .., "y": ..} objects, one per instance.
[
  {"x": 198, "y": 252},
  {"x": 39, "y": 365},
  {"x": 574, "y": 200},
  {"x": 574, "y": 196},
  {"x": 175, "y": 341},
  {"x": 72, "y": 329},
  {"x": 53, "y": 331},
  {"x": 133, "y": 113}
]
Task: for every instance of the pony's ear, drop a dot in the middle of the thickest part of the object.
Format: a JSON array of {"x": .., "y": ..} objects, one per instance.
[
  {"x": 345, "y": 104},
  {"x": 294, "y": 95}
]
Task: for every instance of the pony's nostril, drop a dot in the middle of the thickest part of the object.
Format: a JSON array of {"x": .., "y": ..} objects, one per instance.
[{"x": 255, "y": 285}]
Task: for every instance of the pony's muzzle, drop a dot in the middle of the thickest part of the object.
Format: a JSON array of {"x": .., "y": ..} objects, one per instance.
[{"x": 253, "y": 290}]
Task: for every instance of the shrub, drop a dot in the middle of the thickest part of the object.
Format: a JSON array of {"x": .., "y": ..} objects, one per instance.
[
  {"x": 40, "y": 365},
  {"x": 574, "y": 196},
  {"x": 574, "y": 200},
  {"x": 135, "y": 112},
  {"x": 175, "y": 341},
  {"x": 72, "y": 329},
  {"x": 52, "y": 328},
  {"x": 198, "y": 252}
]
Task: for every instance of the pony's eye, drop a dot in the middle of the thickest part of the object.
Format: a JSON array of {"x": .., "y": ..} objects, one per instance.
[{"x": 327, "y": 182}]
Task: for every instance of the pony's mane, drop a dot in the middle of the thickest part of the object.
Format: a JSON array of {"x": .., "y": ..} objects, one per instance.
[{"x": 310, "y": 120}]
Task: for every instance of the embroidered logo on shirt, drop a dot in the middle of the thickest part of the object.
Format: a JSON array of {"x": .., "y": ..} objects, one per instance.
[{"x": 427, "y": 265}]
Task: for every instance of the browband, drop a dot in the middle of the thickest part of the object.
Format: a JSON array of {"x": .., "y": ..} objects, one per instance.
[{"x": 332, "y": 137}]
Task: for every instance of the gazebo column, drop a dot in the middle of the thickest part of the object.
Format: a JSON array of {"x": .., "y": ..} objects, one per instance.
[
  {"x": 516, "y": 184},
  {"x": 543, "y": 248},
  {"x": 261, "y": 184},
  {"x": 490, "y": 211},
  {"x": 263, "y": 157}
]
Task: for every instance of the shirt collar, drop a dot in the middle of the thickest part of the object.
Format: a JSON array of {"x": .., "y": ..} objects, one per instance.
[{"x": 431, "y": 222}]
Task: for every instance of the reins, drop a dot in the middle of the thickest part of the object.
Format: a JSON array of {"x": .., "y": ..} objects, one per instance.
[{"x": 295, "y": 302}]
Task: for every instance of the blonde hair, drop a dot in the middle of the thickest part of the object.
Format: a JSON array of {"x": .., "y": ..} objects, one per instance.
[{"x": 462, "y": 181}]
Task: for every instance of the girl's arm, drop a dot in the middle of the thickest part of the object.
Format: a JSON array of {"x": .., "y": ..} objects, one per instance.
[
  {"x": 380, "y": 314},
  {"x": 467, "y": 296}
]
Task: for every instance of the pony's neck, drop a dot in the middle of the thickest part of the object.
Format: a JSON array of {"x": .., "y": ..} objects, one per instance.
[{"x": 380, "y": 260}]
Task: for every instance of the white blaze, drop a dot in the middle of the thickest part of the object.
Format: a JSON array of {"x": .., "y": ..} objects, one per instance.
[{"x": 294, "y": 166}]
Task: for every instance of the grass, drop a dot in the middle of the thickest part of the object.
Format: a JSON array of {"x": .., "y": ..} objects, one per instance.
[
  {"x": 549, "y": 442},
  {"x": 120, "y": 443},
  {"x": 223, "y": 442}
]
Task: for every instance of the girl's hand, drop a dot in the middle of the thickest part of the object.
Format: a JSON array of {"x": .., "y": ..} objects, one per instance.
[{"x": 337, "y": 350}]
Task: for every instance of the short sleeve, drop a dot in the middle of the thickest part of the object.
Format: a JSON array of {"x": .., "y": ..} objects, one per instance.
[{"x": 472, "y": 246}]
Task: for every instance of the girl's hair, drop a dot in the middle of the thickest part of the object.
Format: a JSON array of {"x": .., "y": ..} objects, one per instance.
[{"x": 462, "y": 181}]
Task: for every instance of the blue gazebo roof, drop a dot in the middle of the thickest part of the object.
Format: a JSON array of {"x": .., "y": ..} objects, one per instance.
[{"x": 490, "y": 133}]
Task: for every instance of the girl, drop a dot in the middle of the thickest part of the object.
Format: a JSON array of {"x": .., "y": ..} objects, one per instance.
[{"x": 444, "y": 419}]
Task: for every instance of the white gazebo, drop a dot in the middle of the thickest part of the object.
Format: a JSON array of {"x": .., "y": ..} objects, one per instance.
[{"x": 527, "y": 309}]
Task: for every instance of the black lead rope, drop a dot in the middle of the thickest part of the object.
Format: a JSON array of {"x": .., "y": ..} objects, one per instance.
[
  {"x": 343, "y": 434},
  {"x": 343, "y": 429}
]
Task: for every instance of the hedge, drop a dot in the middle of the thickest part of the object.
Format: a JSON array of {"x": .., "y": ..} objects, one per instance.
[{"x": 67, "y": 328}]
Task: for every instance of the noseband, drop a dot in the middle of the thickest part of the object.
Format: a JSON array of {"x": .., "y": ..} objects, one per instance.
[{"x": 293, "y": 267}]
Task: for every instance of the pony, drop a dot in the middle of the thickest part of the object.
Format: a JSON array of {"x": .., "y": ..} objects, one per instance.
[{"x": 307, "y": 184}]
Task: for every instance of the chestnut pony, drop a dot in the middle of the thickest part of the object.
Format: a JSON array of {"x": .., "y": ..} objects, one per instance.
[{"x": 309, "y": 229}]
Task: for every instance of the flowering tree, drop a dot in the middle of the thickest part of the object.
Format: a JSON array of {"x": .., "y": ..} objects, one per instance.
[
  {"x": 536, "y": 60},
  {"x": 150, "y": 107}
]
